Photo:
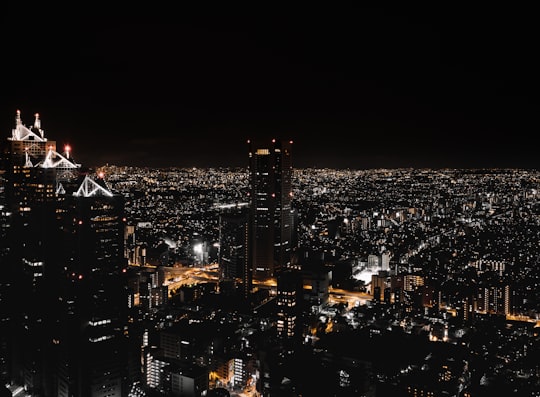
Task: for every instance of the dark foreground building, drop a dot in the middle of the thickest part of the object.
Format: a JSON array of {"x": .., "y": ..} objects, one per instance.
[{"x": 64, "y": 292}]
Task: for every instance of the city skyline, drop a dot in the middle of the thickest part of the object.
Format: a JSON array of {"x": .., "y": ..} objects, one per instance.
[
  {"x": 358, "y": 87},
  {"x": 138, "y": 284}
]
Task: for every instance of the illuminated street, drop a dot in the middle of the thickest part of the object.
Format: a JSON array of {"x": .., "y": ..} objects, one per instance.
[
  {"x": 178, "y": 276},
  {"x": 351, "y": 298}
]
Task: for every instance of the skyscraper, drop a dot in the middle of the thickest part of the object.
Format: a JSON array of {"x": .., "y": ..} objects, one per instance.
[
  {"x": 6, "y": 286},
  {"x": 94, "y": 357},
  {"x": 29, "y": 262},
  {"x": 271, "y": 215},
  {"x": 62, "y": 258}
]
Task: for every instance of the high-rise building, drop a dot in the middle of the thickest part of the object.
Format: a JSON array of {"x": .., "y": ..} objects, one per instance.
[
  {"x": 95, "y": 294},
  {"x": 271, "y": 213},
  {"x": 233, "y": 248},
  {"x": 6, "y": 285},
  {"x": 30, "y": 169},
  {"x": 30, "y": 197},
  {"x": 62, "y": 255}
]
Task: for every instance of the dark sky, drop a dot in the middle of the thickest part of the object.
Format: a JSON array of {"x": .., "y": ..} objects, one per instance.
[{"x": 352, "y": 86}]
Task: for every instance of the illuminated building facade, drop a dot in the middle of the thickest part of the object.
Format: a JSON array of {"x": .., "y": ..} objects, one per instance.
[
  {"x": 173, "y": 377},
  {"x": 289, "y": 294},
  {"x": 271, "y": 214},
  {"x": 412, "y": 282},
  {"x": 496, "y": 299}
]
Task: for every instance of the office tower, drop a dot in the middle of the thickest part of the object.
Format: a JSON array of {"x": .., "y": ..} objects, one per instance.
[
  {"x": 233, "y": 249},
  {"x": 63, "y": 260},
  {"x": 271, "y": 214},
  {"x": 6, "y": 286},
  {"x": 94, "y": 357},
  {"x": 29, "y": 164},
  {"x": 30, "y": 199}
]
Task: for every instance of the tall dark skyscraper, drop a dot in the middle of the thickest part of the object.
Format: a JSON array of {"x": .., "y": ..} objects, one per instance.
[
  {"x": 94, "y": 359},
  {"x": 28, "y": 254},
  {"x": 271, "y": 215},
  {"x": 5, "y": 283},
  {"x": 63, "y": 294}
]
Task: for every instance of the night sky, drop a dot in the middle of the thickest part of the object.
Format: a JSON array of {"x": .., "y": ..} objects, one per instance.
[{"x": 352, "y": 86}]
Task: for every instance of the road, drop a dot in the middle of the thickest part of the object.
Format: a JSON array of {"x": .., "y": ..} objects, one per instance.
[{"x": 178, "y": 276}]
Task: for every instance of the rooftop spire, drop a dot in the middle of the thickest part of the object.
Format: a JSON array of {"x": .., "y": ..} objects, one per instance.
[
  {"x": 37, "y": 124},
  {"x": 22, "y": 133}
]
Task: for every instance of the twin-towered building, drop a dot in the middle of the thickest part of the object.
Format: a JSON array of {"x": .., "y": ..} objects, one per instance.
[{"x": 65, "y": 299}]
